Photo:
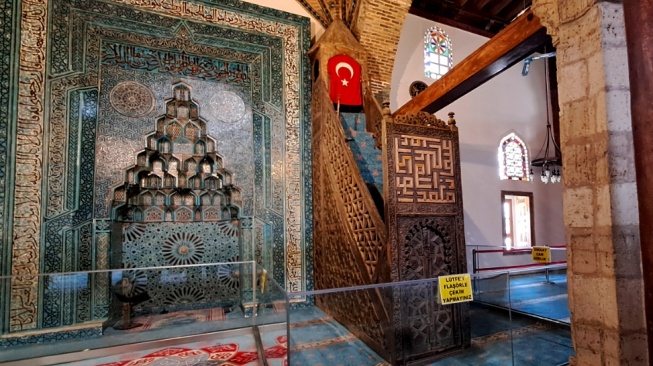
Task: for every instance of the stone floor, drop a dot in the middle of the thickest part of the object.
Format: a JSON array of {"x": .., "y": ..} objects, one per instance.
[{"x": 528, "y": 293}]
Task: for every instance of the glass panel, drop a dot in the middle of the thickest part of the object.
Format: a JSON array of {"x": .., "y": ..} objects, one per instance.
[
  {"x": 396, "y": 323},
  {"x": 272, "y": 298},
  {"x": 537, "y": 302},
  {"x": 554, "y": 336},
  {"x": 550, "y": 284},
  {"x": 113, "y": 308},
  {"x": 272, "y": 323},
  {"x": 363, "y": 325}
]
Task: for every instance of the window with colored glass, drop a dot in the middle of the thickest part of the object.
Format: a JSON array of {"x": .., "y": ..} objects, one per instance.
[
  {"x": 438, "y": 59},
  {"x": 513, "y": 158}
]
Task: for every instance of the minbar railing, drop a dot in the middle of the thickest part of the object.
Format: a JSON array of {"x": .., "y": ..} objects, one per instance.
[{"x": 350, "y": 237}]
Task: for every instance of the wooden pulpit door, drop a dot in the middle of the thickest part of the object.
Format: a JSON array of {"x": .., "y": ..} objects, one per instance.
[{"x": 425, "y": 229}]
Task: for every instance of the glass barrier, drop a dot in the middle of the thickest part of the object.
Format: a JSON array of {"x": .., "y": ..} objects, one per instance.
[
  {"x": 396, "y": 323},
  {"x": 541, "y": 292},
  {"x": 272, "y": 299},
  {"x": 538, "y": 303},
  {"x": 237, "y": 310},
  {"x": 108, "y": 308},
  {"x": 539, "y": 295},
  {"x": 538, "y": 291},
  {"x": 487, "y": 258},
  {"x": 271, "y": 326}
]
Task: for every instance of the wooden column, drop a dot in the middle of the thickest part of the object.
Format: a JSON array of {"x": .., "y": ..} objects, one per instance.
[{"x": 638, "y": 16}]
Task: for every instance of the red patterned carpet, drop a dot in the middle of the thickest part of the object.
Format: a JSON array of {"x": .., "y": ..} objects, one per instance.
[
  {"x": 222, "y": 354},
  {"x": 177, "y": 318}
]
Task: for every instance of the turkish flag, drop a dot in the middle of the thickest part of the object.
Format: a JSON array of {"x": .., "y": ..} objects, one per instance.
[{"x": 345, "y": 74}]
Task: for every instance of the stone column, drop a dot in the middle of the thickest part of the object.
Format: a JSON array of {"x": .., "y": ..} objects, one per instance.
[
  {"x": 639, "y": 30},
  {"x": 600, "y": 193}
]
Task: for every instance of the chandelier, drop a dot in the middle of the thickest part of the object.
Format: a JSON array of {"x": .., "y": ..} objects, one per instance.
[
  {"x": 549, "y": 158},
  {"x": 551, "y": 165}
]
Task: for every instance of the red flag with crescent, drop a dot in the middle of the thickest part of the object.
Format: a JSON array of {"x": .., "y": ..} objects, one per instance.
[{"x": 345, "y": 74}]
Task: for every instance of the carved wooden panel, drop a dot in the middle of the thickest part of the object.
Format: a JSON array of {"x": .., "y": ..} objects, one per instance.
[
  {"x": 424, "y": 169},
  {"x": 350, "y": 236},
  {"x": 425, "y": 231},
  {"x": 362, "y": 225},
  {"x": 427, "y": 251}
]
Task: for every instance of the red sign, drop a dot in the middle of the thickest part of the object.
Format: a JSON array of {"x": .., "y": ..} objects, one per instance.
[{"x": 345, "y": 74}]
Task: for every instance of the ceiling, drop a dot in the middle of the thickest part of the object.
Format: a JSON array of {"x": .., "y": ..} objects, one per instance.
[
  {"x": 327, "y": 10},
  {"x": 484, "y": 17}
]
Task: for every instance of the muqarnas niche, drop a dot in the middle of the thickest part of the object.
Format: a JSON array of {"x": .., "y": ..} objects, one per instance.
[{"x": 179, "y": 207}]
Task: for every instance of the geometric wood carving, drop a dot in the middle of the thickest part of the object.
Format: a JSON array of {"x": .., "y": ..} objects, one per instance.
[
  {"x": 424, "y": 170},
  {"x": 350, "y": 237},
  {"x": 424, "y": 216}
]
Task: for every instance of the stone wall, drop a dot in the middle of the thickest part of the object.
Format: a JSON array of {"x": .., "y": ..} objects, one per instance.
[{"x": 600, "y": 200}]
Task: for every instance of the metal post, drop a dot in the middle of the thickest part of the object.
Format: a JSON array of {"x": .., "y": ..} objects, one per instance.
[
  {"x": 512, "y": 343},
  {"x": 255, "y": 311},
  {"x": 474, "y": 269}
]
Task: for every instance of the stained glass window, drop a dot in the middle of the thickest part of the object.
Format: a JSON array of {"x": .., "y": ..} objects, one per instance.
[
  {"x": 513, "y": 158},
  {"x": 437, "y": 53}
]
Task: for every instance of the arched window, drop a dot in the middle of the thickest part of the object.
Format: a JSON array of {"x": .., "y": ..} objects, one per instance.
[
  {"x": 513, "y": 158},
  {"x": 437, "y": 53}
]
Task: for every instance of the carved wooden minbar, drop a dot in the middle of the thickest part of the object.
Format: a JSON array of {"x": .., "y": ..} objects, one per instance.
[
  {"x": 350, "y": 242},
  {"x": 422, "y": 236}
]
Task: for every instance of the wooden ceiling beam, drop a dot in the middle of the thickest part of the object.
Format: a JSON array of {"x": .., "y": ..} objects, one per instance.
[
  {"x": 481, "y": 4},
  {"x": 450, "y": 22},
  {"x": 313, "y": 12},
  {"x": 462, "y": 17},
  {"x": 515, "y": 8},
  {"x": 500, "y": 5},
  {"x": 470, "y": 11},
  {"x": 353, "y": 12},
  {"x": 511, "y": 45},
  {"x": 326, "y": 11}
]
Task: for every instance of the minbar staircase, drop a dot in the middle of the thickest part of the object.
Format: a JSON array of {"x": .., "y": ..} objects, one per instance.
[
  {"x": 368, "y": 158},
  {"x": 412, "y": 230}
]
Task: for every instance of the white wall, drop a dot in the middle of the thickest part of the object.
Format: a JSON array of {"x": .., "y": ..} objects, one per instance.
[
  {"x": 507, "y": 102},
  {"x": 294, "y": 7}
]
